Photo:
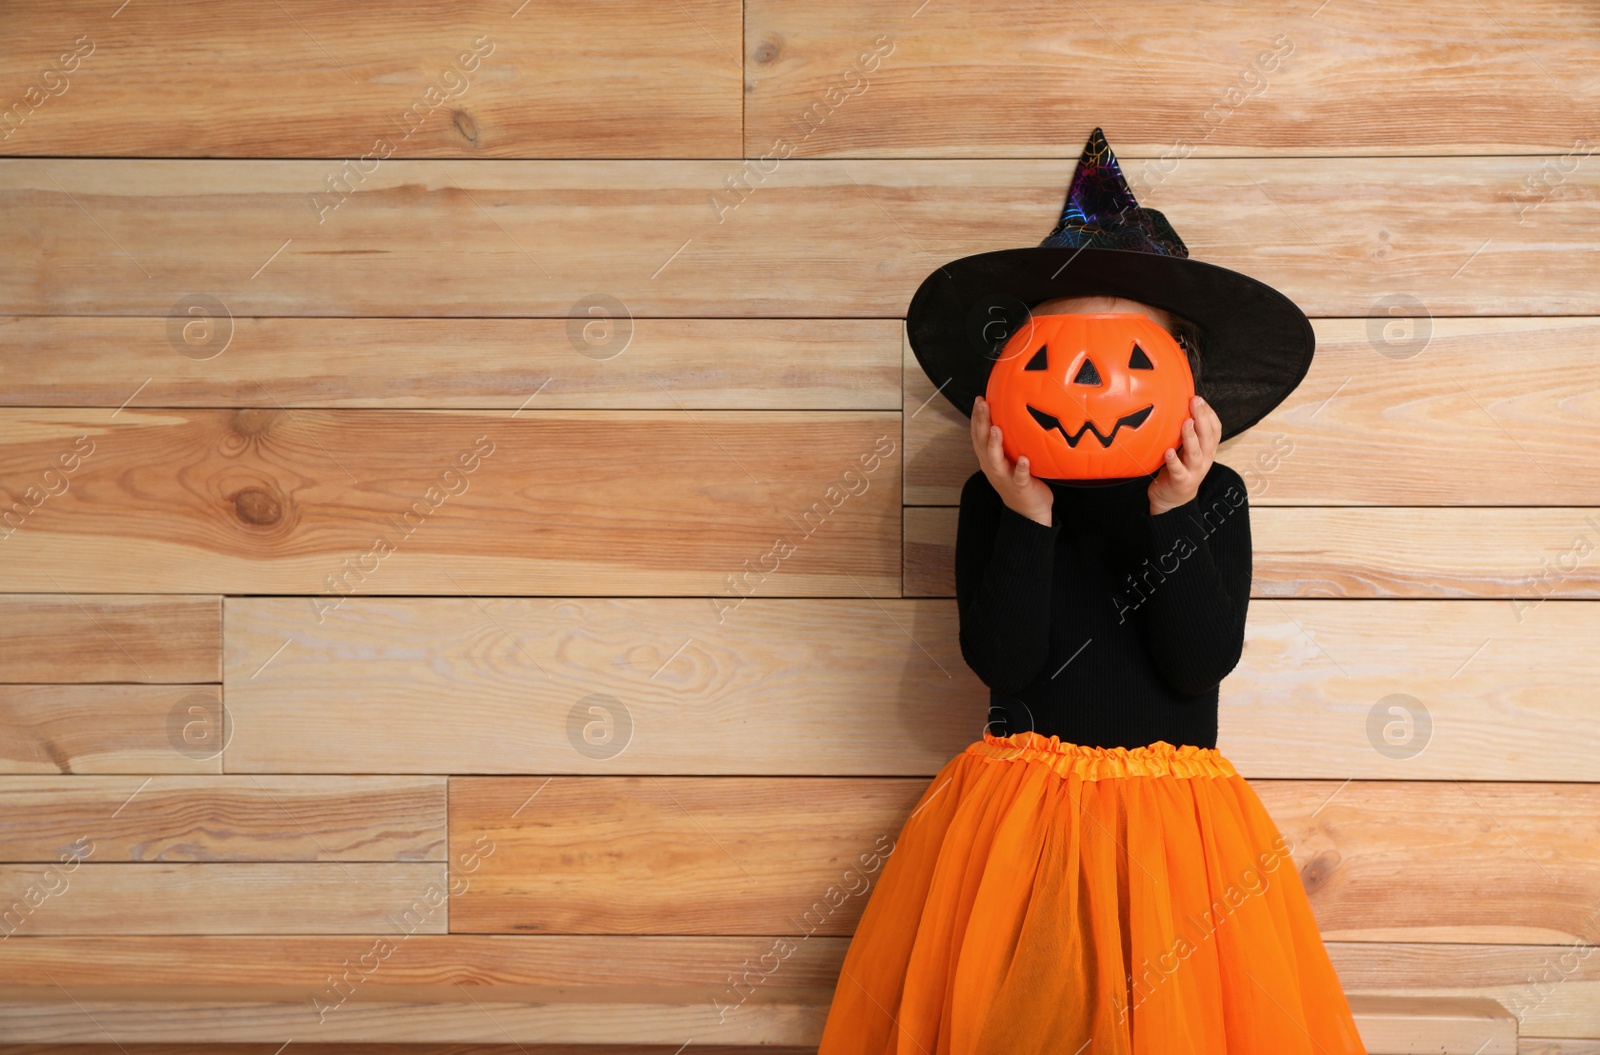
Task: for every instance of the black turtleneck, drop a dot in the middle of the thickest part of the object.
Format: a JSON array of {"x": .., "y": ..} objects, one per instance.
[{"x": 1112, "y": 627}]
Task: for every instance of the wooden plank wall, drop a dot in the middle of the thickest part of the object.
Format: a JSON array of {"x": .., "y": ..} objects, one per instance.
[{"x": 397, "y": 417}]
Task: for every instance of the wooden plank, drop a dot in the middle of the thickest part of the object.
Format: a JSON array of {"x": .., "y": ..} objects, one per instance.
[
  {"x": 1305, "y": 551},
  {"x": 47, "y": 638},
  {"x": 642, "y": 364},
  {"x": 1554, "y": 997},
  {"x": 478, "y": 960},
  {"x": 335, "y": 502},
  {"x": 583, "y": 685},
  {"x": 1554, "y": 990},
  {"x": 1423, "y": 1025},
  {"x": 1356, "y": 843},
  {"x": 673, "y": 855},
  {"x": 82, "y": 896},
  {"x": 144, "y": 729},
  {"x": 268, "y": 1047},
  {"x": 1518, "y": 394},
  {"x": 672, "y": 1018},
  {"x": 1417, "y": 689},
  {"x": 521, "y": 238},
  {"x": 884, "y": 79},
  {"x": 295, "y": 79},
  {"x": 663, "y": 688},
  {"x": 1412, "y": 1025},
  {"x": 224, "y": 818},
  {"x": 771, "y": 855}
]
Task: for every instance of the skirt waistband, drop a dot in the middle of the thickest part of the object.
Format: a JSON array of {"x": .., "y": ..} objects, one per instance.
[{"x": 1096, "y": 763}]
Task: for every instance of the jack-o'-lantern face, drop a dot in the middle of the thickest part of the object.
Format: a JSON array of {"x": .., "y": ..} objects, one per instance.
[{"x": 1090, "y": 396}]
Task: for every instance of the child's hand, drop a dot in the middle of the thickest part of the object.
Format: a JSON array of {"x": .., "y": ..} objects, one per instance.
[
  {"x": 1179, "y": 479},
  {"x": 1023, "y": 492}
]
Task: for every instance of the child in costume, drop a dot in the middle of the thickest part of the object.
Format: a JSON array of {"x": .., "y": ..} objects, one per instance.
[{"x": 1093, "y": 877}]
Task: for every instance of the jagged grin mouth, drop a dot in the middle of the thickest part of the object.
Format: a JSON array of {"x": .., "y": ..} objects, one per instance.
[{"x": 1048, "y": 422}]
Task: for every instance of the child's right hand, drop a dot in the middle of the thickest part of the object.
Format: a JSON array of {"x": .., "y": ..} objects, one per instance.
[{"x": 1020, "y": 490}]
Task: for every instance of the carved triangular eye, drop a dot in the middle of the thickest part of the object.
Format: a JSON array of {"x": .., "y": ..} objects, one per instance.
[
  {"x": 1087, "y": 374},
  {"x": 1038, "y": 360},
  {"x": 1138, "y": 360}
]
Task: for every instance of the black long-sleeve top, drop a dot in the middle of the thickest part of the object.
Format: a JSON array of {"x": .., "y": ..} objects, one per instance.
[{"x": 1112, "y": 626}]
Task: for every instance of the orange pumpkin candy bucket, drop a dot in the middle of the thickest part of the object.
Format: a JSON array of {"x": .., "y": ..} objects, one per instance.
[{"x": 1090, "y": 396}]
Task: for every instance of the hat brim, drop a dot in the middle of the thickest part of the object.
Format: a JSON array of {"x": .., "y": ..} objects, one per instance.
[{"x": 1258, "y": 343}]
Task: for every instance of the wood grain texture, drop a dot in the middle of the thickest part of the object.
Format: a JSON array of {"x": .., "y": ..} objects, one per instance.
[
  {"x": 144, "y": 729},
  {"x": 1029, "y": 78},
  {"x": 798, "y": 856},
  {"x": 597, "y": 686},
  {"x": 53, "y": 638},
  {"x": 672, "y": 1018},
  {"x": 298, "y": 79},
  {"x": 480, "y": 961},
  {"x": 1418, "y": 689},
  {"x": 224, "y": 818},
  {"x": 1423, "y": 1025},
  {"x": 1382, "y": 860},
  {"x": 333, "y": 897},
  {"x": 674, "y": 855},
  {"x": 1367, "y": 689},
  {"x": 841, "y": 239},
  {"x": 268, "y": 1047},
  {"x": 336, "y": 502},
  {"x": 1553, "y": 989},
  {"x": 1493, "y": 411},
  {"x": 1399, "y": 551},
  {"x": 591, "y": 362},
  {"x": 1388, "y": 1025},
  {"x": 1554, "y": 998},
  {"x": 638, "y": 744}
]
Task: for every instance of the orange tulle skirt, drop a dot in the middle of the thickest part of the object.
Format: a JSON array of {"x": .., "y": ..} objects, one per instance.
[{"x": 1047, "y": 897}]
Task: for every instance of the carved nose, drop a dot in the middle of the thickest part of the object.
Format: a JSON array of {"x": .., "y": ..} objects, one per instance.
[{"x": 1087, "y": 374}]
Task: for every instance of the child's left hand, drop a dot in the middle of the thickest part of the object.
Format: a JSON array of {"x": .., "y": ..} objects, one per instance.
[{"x": 1179, "y": 479}]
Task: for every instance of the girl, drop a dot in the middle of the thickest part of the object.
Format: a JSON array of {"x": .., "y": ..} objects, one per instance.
[{"x": 1092, "y": 877}]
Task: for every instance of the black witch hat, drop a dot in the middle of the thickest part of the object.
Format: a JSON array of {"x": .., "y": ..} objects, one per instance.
[{"x": 1255, "y": 346}]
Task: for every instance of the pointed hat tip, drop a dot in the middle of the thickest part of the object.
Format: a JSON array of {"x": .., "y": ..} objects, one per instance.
[{"x": 1098, "y": 187}]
